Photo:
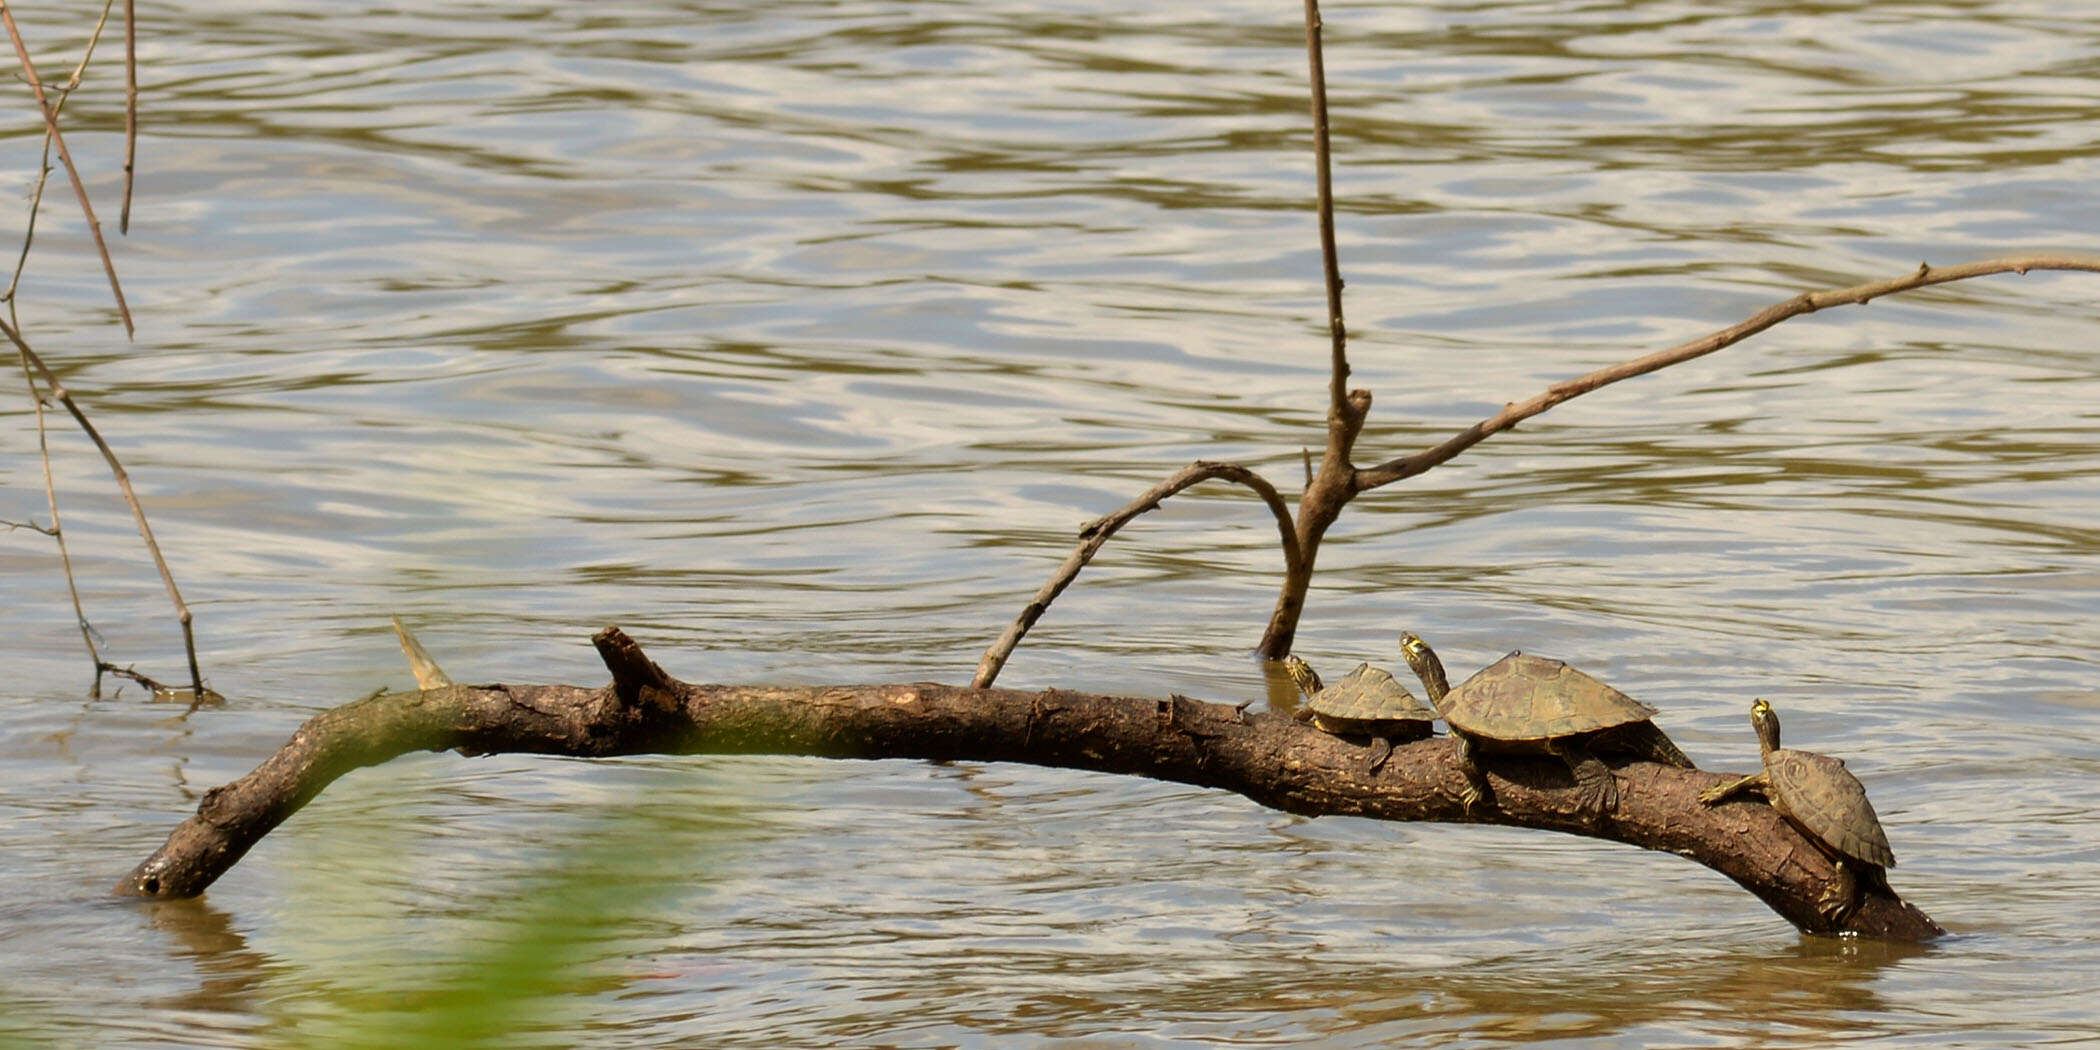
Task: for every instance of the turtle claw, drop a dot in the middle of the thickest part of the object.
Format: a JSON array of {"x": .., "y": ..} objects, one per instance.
[
  {"x": 1600, "y": 796},
  {"x": 1594, "y": 783},
  {"x": 1476, "y": 786},
  {"x": 1841, "y": 899}
]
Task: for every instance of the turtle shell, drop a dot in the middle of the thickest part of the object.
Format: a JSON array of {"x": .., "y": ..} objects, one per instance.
[
  {"x": 1818, "y": 793},
  {"x": 1365, "y": 699},
  {"x": 1525, "y": 697}
]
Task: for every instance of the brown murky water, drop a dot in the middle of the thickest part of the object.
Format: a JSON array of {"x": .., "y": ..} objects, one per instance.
[{"x": 798, "y": 337}]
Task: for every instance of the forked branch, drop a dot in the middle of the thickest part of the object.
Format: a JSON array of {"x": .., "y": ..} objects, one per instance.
[
  {"x": 1325, "y": 491},
  {"x": 36, "y": 200},
  {"x": 138, "y": 513},
  {"x": 65, "y": 155},
  {"x": 43, "y": 173},
  {"x": 1338, "y": 480}
]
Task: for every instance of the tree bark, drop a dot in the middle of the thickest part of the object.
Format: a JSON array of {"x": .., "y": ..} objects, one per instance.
[{"x": 1266, "y": 757}]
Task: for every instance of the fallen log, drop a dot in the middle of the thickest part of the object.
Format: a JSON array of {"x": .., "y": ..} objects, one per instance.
[{"x": 1269, "y": 758}]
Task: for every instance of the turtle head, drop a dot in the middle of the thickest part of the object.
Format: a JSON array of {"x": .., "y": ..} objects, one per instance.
[
  {"x": 1766, "y": 723},
  {"x": 1427, "y": 667},
  {"x": 1302, "y": 675}
]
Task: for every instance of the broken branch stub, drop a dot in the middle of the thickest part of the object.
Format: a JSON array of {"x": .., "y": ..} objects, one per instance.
[{"x": 1266, "y": 757}]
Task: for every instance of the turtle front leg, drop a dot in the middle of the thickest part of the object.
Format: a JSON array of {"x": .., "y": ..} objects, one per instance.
[
  {"x": 1593, "y": 780},
  {"x": 1469, "y": 763},
  {"x": 1841, "y": 898},
  {"x": 1719, "y": 793}
]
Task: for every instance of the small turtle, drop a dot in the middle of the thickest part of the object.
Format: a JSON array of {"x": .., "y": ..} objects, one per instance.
[
  {"x": 1304, "y": 677},
  {"x": 1826, "y": 803},
  {"x": 1523, "y": 704},
  {"x": 1366, "y": 702}
]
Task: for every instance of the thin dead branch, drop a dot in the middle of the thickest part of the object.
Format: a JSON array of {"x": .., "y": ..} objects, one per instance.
[
  {"x": 131, "y": 110},
  {"x": 43, "y": 173},
  {"x": 36, "y": 200},
  {"x": 138, "y": 513},
  {"x": 1805, "y": 303},
  {"x": 165, "y": 694},
  {"x": 65, "y": 156},
  {"x": 1327, "y": 489},
  {"x": 1330, "y": 259},
  {"x": 1266, "y": 757},
  {"x": 36, "y": 203},
  {"x": 1098, "y": 532},
  {"x": 57, "y": 531}
]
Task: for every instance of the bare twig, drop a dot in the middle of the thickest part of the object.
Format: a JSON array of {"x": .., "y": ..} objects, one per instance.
[
  {"x": 57, "y": 530},
  {"x": 36, "y": 203},
  {"x": 1805, "y": 303},
  {"x": 1337, "y": 332},
  {"x": 133, "y": 675},
  {"x": 31, "y": 525},
  {"x": 138, "y": 513},
  {"x": 131, "y": 110},
  {"x": 43, "y": 173},
  {"x": 1328, "y": 489},
  {"x": 36, "y": 199},
  {"x": 66, "y": 156},
  {"x": 164, "y": 694},
  {"x": 1094, "y": 535}
]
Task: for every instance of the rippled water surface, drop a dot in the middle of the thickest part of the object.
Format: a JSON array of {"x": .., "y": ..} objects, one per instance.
[{"x": 798, "y": 338}]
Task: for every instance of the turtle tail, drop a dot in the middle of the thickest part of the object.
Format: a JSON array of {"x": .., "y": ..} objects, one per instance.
[{"x": 1874, "y": 877}]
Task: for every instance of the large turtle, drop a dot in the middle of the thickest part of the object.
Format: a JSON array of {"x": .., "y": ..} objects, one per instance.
[
  {"x": 1524, "y": 704},
  {"x": 1821, "y": 798},
  {"x": 1367, "y": 702}
]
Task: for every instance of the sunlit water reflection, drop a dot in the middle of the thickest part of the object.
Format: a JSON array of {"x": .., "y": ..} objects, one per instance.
[{"x": 799, "y": 338}]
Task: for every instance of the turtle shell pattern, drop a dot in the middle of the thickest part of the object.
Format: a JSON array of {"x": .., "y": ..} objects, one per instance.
[
  {"x": 1366, "y": 697},
  {"x": 1817, "y": 792},
  {"x": 1525, "y": 697}
]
